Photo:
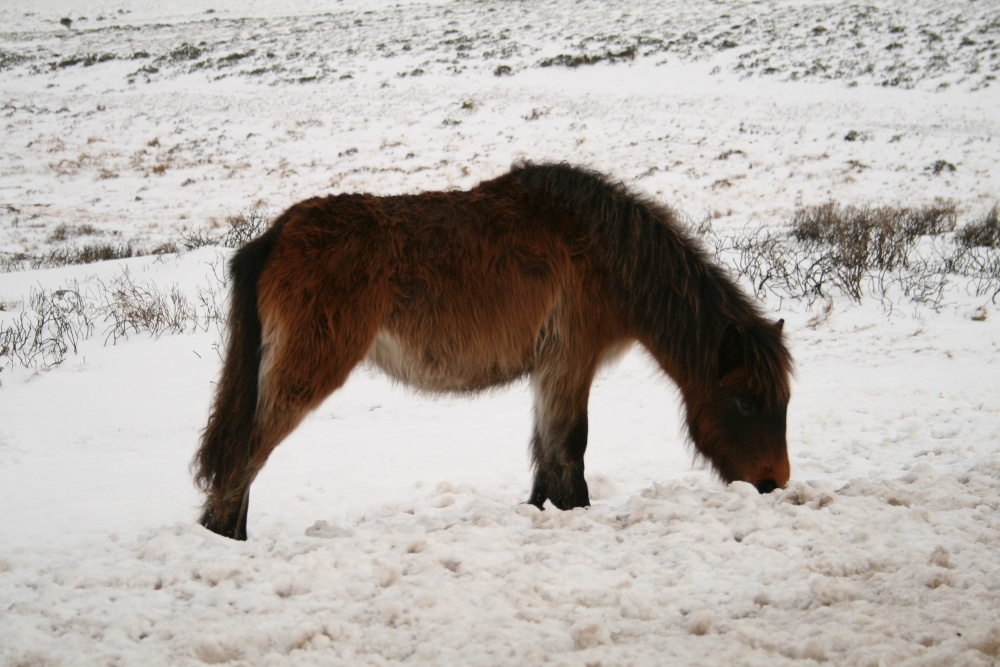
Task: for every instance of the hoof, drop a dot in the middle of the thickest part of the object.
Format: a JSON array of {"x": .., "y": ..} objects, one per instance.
[{"x": 230, "y": 527}]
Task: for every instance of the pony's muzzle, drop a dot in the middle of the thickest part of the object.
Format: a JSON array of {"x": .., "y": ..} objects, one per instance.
[
  {"x": 771, "y": 477},
  {"x": 766, "y": 486}
]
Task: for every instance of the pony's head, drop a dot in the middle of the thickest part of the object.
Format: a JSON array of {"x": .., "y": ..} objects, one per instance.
[{"x": 737, "y": 420}]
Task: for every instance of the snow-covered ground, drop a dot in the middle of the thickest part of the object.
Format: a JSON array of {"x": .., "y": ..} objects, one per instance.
[{"x": 389, "y": 527}]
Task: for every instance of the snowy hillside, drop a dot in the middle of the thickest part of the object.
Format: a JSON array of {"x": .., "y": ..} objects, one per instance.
[{"x": 389, "y": 528}]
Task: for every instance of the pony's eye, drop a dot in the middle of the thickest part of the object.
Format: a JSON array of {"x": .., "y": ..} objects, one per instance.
[{"x": 746, "y": 405}]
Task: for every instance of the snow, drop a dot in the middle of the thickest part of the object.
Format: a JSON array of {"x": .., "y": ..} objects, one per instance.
[{"x": 390, "y": 527}]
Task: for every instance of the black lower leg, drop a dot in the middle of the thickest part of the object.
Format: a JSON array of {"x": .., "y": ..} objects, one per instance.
[
  {"x": 559, "y": 470},
  {"x": 231, "y": 521},
  {"x": 538, "y": 494}
]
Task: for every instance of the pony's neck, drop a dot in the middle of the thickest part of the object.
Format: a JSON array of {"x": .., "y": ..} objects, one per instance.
[{"x": 681, "y": 304}]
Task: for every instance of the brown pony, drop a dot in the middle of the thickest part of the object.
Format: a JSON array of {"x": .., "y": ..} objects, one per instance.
[{"x": 546, "y": 272}]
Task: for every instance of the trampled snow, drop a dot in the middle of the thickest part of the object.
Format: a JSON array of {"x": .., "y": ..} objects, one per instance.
[{"x": 390, "y": 527}]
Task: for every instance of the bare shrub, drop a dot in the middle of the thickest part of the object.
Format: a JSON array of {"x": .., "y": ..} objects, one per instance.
[
  {"x": 876, "y": 236},
  {"x": 64, "y": 232},
  {"x": 192, "y": 240},
  {"x": 242, "y": 227},
  {"x": 74, "y": 254},
  {"x": 885, "y": 253},
  {"x": 867, "y": 243},
  {"x": 167, "y": 248},
  {"x": 50, "y": 325},
  {"x": 11, "y": 262},
  {"x": 985, "y": 232},
  {"x": 89, "y": 253},
  {"x": 245, "y": 227},
  {"x": 980, "y": 265},
  {"x": 773, "y": 263},
  {"x": 131, "y": 307},
  {"x": 928, "y": 221}
]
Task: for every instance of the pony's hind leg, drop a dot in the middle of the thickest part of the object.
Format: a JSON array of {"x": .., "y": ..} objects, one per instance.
[
  {"x": 290, "y": 389},
  {"x": 297, "y": 373},
  {"x": 228, "y": 519},
  {"x": 308, "y": 296}
]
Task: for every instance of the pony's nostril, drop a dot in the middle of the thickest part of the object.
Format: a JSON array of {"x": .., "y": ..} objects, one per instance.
[{"x": 767, "y": 486}]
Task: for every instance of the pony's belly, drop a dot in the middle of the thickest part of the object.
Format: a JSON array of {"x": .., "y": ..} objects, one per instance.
[{"x": 445, "y": 365}]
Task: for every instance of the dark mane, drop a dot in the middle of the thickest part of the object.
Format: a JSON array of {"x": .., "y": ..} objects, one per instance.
[{"x": 674, "y": 293}]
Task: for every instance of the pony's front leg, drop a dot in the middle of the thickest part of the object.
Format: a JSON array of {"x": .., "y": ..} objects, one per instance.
[
  {"x": 559, "y": 442},
  {"x": 558, "y": 458}
]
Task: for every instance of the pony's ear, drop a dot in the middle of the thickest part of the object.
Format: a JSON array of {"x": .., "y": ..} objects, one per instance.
[
  {"x": 731, "y": 353},
  {"x": 779, "y": 326}
]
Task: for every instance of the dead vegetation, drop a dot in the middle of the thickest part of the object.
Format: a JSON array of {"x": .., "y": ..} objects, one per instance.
[{"x": 890, "y": 254}]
